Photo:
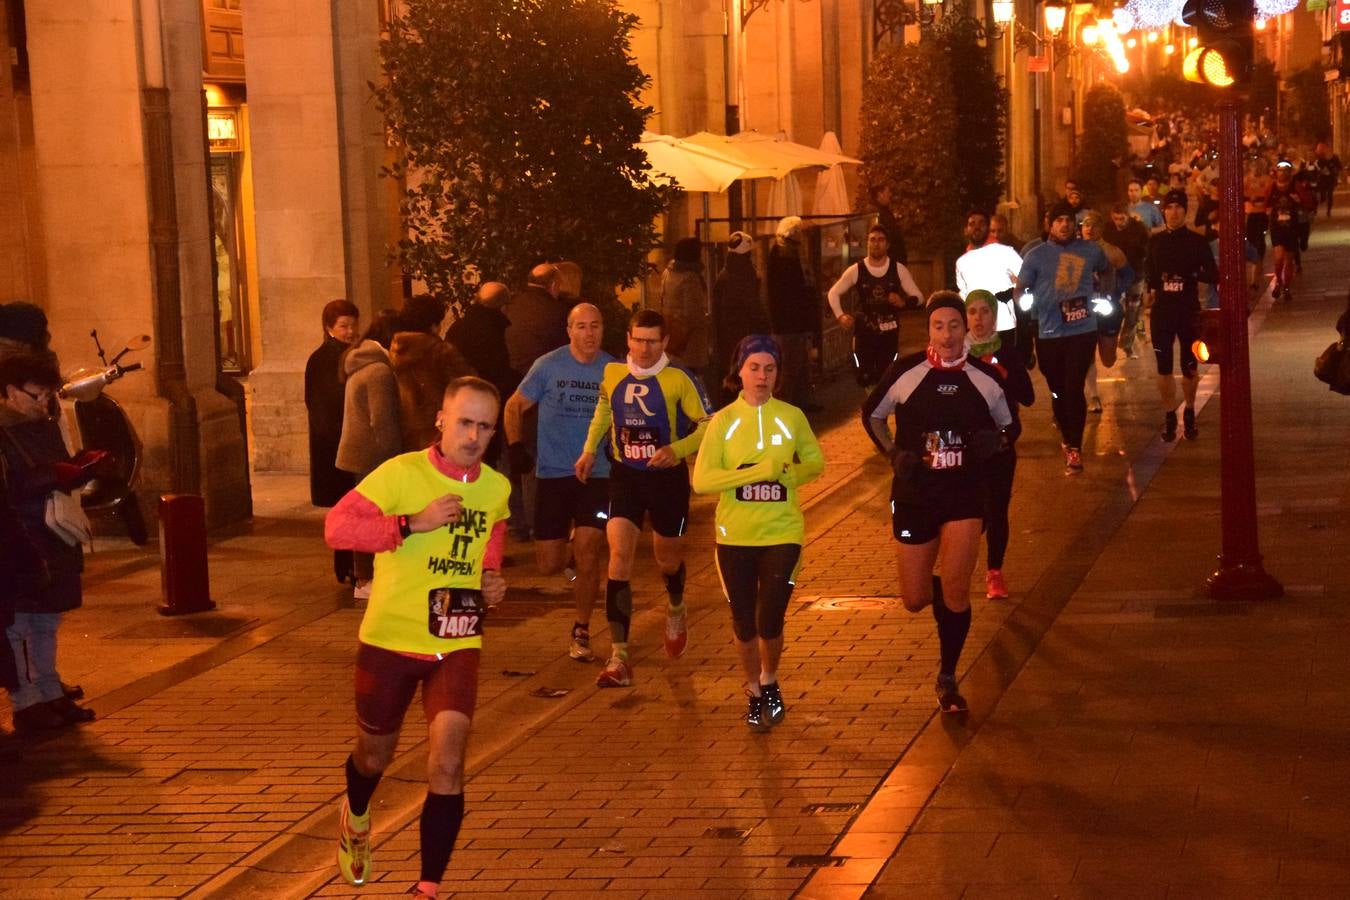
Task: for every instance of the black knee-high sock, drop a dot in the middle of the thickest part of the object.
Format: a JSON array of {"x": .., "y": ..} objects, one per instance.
[
  {"x": 952, "y": 629},
  {"x": 439, "y": 826},
  {"x": 359, "y": 788},
  {"x": 675, "y": 586},
  {"x": 618, "y": 609}
]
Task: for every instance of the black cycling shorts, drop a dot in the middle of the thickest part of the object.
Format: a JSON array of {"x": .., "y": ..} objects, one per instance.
[
  {"x": 1171, "y": 322},
  {"x": 561, "y": 503},
  {"x": 662, "y": 494},
  {"x": 917, "y": 517},
  {"x": 1285, "y": 236}
]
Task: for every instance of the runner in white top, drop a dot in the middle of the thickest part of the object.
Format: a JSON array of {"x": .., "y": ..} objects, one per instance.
[{"x": 992, "y": 267}]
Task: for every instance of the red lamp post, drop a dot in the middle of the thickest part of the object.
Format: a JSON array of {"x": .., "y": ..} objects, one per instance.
[{"x": 1240, "y": 575}]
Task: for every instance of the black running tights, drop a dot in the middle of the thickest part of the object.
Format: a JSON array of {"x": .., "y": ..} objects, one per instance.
[
  {"x": 1064, "y": 363},
  {"x": 758, "y": 585},
  {"x": 1001, "y": 470}
]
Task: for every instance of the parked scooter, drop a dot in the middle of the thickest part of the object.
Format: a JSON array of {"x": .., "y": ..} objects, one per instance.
[{"x": 102, "y": 424}]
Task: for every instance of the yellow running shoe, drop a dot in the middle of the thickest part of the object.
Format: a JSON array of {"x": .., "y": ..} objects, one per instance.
[{"x": 353, "y": 854}]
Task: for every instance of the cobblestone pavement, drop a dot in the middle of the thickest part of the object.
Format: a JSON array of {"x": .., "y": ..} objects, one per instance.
[{"x": 214, "y": 767}]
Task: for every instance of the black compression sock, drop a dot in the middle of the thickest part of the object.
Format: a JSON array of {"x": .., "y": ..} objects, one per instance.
[
  {"x": 675, "y": 586},
  {"x": 439, "y": 826},
  {"x": 618, "y": 609},
  {"x": 360, "y": 788},
  {"x": 952, "y": 629}
]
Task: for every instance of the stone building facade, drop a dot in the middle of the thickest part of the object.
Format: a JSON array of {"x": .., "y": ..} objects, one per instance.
[{"x": 207, "y": 172}]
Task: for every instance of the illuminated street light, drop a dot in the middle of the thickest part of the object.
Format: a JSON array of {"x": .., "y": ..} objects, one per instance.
[
  {"x": 1169, "y": 49},
  {"x": 1055, "y": 11},
  {"x": 1193, "y": 42},
  {"x": 1132, "y": 43},
  {"x": 1089, "y": 35},
  {"x": 1004, "y": 12},
  {"x": 1152, "y": 37}
]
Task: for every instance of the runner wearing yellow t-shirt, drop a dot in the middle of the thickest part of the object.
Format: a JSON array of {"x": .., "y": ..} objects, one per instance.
[{"x": 436, "y": 520}]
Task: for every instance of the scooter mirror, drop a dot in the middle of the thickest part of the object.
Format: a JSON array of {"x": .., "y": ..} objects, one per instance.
[{"x": 139, "y": 342}]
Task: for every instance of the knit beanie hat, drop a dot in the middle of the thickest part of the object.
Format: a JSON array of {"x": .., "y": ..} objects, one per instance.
[
  {"x": 24, "y": 322},
  {"x": 740, "y": 242}
]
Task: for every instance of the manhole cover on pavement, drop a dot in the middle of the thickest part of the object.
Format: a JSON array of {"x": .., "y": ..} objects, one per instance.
[
  {"x": 729, "y": 833},
  {"x": 830, "y": 807},
  {"x": 853, "y": 604},
  {"x": 209, "y": 626},
  {"x": 816, "y": 862}
]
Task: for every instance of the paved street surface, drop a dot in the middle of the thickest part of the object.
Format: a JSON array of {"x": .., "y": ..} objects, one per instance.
[{"x": 1128, "y": 736}]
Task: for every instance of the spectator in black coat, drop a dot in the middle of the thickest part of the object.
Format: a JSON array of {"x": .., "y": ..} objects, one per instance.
[
  {"x": 736, "y": 307},
  {"x": 36, "y": 465},
  {"x": 323, "y": 401},
  {"x": 480, "y": 334},
  {"x": 324, "y": 392},
  {"x": 538, "y": 318},
  {"x": 794, "y": 311}
]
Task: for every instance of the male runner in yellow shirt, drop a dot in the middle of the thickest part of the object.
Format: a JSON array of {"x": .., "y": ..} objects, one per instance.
[{"x": 436, "y": 520}]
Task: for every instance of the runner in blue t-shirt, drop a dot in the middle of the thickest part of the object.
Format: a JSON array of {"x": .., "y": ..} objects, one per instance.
[
  {"x": 1061, "y": 278},
  {"x": 565, "y": 384}
]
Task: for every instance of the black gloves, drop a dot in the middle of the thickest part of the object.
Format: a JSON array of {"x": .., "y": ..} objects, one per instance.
[
  {"x": 985, "y": 444},
  {"x": 903, "y": 463}
]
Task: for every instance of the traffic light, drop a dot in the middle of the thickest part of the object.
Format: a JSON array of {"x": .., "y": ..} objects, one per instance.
[
  {"x": 1223, "y": 56},
  {"x": 1208, "y": 347}
]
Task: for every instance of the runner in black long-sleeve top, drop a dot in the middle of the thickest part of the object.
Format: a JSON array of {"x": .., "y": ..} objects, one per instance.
[{"x": 951, "y": 417}]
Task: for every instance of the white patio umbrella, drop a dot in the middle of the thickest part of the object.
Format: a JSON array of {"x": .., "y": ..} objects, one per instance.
[
  {"x": 831, "y": 189},
  {"x": 693, "y": 167},
  {"x": 768, "y": 156}
]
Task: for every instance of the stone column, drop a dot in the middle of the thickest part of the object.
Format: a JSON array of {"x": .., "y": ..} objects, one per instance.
[
  {"x": 298, "y": 210},
  {"x": 121, "y": 174}
]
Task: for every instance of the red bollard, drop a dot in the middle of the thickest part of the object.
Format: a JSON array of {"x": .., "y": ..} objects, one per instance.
[{"x": 182, "y": 553}]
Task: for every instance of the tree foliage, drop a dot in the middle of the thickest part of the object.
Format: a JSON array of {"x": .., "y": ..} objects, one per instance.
[
  {"x": 1305, "y": 114},
  {"x": 517, "y": 122},
  {"x": 1105, "y": 144},
  {"x": 981, "y": 103},
  {"x": 909, "y": 142}
]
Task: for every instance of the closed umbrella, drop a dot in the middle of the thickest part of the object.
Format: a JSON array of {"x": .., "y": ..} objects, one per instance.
[
  {"x": 785, "y": 197},
  {"x": 831, "y": 189}
]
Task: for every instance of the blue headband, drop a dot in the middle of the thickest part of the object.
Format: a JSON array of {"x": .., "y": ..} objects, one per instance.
[{"x": 756, "y": 343}]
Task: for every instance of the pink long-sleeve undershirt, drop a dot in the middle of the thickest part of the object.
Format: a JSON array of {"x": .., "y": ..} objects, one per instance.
[{"x": 356, "y": 523}]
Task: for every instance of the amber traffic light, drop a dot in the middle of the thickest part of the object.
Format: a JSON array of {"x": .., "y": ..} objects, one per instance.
[
  {"x": 1225, "y": 45},
  {"x": 1208, "y": 347}
]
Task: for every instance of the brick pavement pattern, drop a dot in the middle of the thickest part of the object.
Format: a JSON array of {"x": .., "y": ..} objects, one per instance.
[{"x": 215, "y": 770}]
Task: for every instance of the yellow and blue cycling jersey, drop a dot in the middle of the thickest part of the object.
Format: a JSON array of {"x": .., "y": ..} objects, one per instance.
[{"x": 644, "y": 413}]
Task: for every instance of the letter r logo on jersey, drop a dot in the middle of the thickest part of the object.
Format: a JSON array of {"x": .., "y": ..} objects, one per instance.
[{"x": 633, "y": 393}]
